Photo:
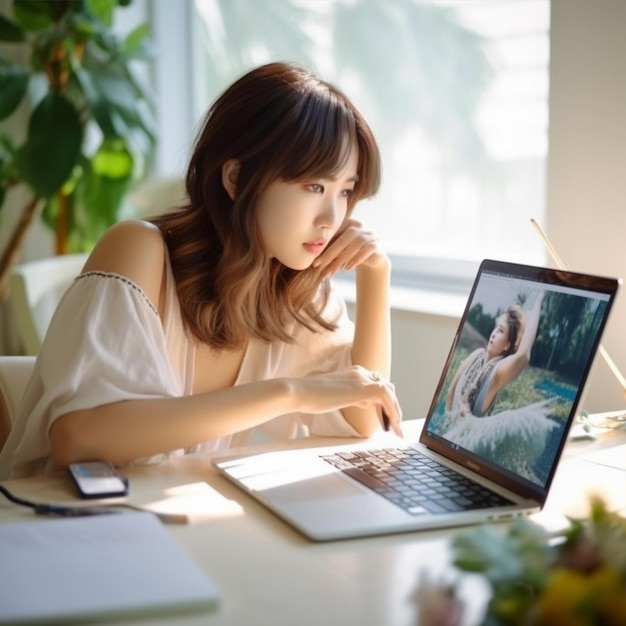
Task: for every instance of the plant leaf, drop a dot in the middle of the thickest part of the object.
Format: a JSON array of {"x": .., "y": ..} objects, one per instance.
[
  {"x": 13, "y": 86},
  {"x": 50, "y": 212},
  {"x": 103, "y": 10},
  {"x": 10, "y": 31},
  {"x": 488, "y": 551},
  {"x": 139, "y": 118},
  {"x": 53, "y": 145},
  {"x": 34, "y": 15},
  {"x": 8, "y": 172},
  {"x": 102, "y": 188},
  {"x": 85, "y": 25},
  {"x": 113, "y": 159},
  {"x": 116, "y": 89},
  {"x": 135, "y": 45}
]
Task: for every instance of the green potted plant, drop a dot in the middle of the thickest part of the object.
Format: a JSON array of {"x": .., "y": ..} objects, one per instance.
[
  {"x": 89, "y": 129},
  {"x": 572, "y": 577}
]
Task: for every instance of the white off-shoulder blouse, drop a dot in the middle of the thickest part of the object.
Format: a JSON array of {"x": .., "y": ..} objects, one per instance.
[{"x": 106, "y": 343}]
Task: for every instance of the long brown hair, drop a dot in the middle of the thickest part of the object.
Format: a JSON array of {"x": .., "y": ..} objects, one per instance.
[{"x": 280, "y": 122}]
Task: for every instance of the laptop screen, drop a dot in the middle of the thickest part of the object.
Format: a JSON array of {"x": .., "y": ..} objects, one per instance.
[{"x": 516, "y": 370}]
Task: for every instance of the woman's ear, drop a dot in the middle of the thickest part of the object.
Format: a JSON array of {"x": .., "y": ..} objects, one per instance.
[{"x": 230, "y": 174}]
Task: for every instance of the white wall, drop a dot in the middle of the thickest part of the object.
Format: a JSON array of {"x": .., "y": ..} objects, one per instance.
[
  {"x": 420, "y": 344},
  {"x": 586, "y": 199},
  {"x": 586, "y": 194}
]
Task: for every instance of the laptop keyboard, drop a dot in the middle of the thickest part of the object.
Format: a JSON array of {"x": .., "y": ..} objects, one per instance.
[{"x": 414, "y": 481}]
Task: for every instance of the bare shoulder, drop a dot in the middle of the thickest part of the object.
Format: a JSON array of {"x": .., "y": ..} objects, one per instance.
[{"x": 134, "y": 249}]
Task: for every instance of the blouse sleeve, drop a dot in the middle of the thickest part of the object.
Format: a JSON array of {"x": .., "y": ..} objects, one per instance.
[{"x": 105, "y": 343}]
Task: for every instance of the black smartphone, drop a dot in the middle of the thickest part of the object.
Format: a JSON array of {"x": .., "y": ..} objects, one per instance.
[{"x": 97, "y": 479}]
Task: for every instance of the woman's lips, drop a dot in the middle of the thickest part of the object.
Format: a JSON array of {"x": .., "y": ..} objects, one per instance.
[{"x": 314, "y": 248}]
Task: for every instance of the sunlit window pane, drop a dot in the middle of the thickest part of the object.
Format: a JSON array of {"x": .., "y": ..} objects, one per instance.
[{"x": 457, "y": 93}]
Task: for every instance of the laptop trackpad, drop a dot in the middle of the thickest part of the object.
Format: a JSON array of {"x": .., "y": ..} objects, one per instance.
[
  {"x": 330, "y": 506},
  {"x": 326, "y": 487},
  {"x": 318, "y": 499}
]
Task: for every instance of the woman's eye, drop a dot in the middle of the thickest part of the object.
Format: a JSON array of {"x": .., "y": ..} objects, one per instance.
[
  {"x": 346, "y": 193},
  {"x": 316, "y": 188}
]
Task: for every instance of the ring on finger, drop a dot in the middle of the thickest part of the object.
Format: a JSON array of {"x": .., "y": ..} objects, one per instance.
[{"x": 375, "y": 376}]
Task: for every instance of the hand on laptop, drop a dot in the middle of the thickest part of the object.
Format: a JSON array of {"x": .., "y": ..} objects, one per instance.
[{"x": 351, "y": 387}]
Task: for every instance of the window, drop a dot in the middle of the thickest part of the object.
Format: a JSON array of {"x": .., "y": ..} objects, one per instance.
[{"x": 457, "y": 94}]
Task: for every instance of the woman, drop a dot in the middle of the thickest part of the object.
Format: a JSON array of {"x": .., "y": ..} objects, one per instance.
[
  {"x": 486, "y": 371},
  {"x": 186, "y": 331}
]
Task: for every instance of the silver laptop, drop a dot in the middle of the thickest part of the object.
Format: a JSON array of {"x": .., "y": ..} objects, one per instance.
[{"x": 478, "y": 458}]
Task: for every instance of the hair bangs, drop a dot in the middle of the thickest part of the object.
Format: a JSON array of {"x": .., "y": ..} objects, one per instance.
[{"x": 319, "y": 138}]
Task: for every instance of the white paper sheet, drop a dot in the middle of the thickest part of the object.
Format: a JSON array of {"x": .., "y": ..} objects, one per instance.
[{"x": 97, "y": 567}]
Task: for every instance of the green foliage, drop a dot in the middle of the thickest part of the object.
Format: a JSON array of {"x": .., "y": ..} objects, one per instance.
[
  {"x": 519, "y": 554},
  {"x": 54, "y": 138},
  {"x": 14, "y": 81},
  {"x": 536, "y": 579},
  {"x": 90, "y": 131}
]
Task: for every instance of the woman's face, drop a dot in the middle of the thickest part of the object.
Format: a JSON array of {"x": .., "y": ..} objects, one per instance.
[
  {"x": 298, "y": 219},
  {"x": 499, "y": 338}
]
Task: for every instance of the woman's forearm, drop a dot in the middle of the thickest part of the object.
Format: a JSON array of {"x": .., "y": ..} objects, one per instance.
[
  {"x": 132, "y": 429},
  {"x": 123, "y": 431},
  {"x": 372, "y": 336}
]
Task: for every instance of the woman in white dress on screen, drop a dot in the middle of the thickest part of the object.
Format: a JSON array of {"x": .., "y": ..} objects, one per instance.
[
  {"x": 471, "y": 421},
  {"x": 486, "y": 371}
]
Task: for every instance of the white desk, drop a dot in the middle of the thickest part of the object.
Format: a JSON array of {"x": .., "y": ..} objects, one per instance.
[{"x": 268, "y": 574}]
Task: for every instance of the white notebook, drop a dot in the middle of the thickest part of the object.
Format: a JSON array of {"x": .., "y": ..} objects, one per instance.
[{"x": 94, "y": 568}]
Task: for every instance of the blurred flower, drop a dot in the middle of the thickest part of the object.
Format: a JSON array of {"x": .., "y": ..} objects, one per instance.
[
  {"x": 577, "y": 578},
  {"x": 437, "y": 604}
]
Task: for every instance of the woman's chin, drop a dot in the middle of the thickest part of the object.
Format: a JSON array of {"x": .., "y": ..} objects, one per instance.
[{"x": 297, "y": 265}]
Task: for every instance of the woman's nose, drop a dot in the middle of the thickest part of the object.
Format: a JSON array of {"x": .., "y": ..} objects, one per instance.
[{"x": 330, "y": 215}]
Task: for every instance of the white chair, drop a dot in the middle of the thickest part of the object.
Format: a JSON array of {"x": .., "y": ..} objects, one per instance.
[
  {"x": 158, "y": 194},
  {"x": 14, "y": 374},
  {"x": 35, "y": 288}
]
